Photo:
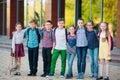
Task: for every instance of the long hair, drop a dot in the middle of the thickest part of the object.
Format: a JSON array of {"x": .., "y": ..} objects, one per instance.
[{"x": 107, "y": 28}]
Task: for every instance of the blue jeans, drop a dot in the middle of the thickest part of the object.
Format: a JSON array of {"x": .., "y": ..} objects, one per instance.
[
  {"x": 70, "y": 63},
  {"x": 93, "y": 55},
  {"x": 81, "y": 59}
]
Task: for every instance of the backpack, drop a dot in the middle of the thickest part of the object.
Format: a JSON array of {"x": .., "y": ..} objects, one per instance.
[
  {"x": 112, "y": 43},
  {"x": 37, "y": 32},
  {"x": 65, "y": 33}
]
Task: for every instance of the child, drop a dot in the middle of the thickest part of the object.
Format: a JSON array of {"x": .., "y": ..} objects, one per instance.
[
  {"x": 33, "y": 47},
  {"x": 104, "y": 50},
  {"x": 59, "y": 47},
  {"x": 47, "y": 43},
  {"x": 93, "y": 45},
  {"x": 17, "y": 46},
  {"x": 81, "y": 48},
  {"x": 71, "y": 50}
]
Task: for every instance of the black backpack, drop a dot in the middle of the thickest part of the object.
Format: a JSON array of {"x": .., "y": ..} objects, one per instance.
[{"x": 37, "y": 32}]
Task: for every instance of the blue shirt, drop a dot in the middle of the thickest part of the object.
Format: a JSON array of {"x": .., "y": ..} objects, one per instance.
[
  {"x": 93, "y": 41},
  {"x": 81, "y": 37},
  {"x": 33, "y": 38}
]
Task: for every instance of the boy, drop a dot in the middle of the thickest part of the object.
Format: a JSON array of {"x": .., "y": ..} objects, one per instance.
[
  {"x": 47, "y": 43},
  {"x": 59, "y": 47},
  {"x": 33, "y": 47}
]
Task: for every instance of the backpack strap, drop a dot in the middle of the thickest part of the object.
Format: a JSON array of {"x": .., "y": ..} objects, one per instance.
[
  {"x": 51, "y": 35},
  {"x": 65, "y": 32},
  {"x": 37, "y": 32}
]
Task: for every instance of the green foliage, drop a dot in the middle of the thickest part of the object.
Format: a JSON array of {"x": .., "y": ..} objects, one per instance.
[{"x": 109, "y": 13}]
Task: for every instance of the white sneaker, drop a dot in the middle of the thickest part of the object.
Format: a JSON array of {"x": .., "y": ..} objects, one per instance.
[{"x": 62, "y": 76}]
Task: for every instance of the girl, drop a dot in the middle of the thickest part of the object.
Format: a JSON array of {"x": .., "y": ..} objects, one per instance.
[
  {"x": 93, "y": 45},
  {"x": 17, "y": 47},
  {"x": 81, "y": 48},
  {"x": 71, "y": 50},
  {"x": 104, "y": 50}
]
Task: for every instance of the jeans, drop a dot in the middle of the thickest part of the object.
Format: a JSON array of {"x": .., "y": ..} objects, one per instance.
[
  {"x": 46, "y": 54},
  {"x": 81, "y": 59},
  {"x": 70, "y": 63},
  {"x": 33, "y": 59},
  {"x": 93, "y": 55},
  {"x": 54, "y": 59}
]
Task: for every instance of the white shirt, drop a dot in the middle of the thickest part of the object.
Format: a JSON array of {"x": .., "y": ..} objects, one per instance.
[
  {"x": 17, "y": 38},
  {"x": 60, "y": 38}
]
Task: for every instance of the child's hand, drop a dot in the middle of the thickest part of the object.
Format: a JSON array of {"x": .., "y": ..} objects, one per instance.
[
  {"x": 13, "y": 32},
  {"x": 41, "y": 28},
  {"x": 52, "y": 51},
  {"x": 109, "y": 53}
]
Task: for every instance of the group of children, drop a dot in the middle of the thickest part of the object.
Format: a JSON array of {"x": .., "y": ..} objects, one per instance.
[{"x": 58, "y": 41}]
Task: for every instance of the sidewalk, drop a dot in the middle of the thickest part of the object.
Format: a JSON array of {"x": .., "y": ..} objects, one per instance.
[{"x": 5, "y": 60}]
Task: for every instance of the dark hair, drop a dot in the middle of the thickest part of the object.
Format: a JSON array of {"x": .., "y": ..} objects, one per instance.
[
  {"x": 61, "y": 19},
  {"x": 18, "y": 23},
  {"x": 90, "y": 21},
  {"x": 81, "y": 19},
  {"x": 49, "y": 21},
  {"x": 33, "y": 21}
]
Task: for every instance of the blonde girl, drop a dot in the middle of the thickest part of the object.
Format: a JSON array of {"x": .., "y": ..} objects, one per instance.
[{"x": 104, "y": 50}]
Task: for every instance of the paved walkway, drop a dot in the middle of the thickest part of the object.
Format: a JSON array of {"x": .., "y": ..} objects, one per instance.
[{"x": 5, "y": 61}]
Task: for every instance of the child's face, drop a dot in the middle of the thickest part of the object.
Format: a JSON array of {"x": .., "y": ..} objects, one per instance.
[
  {"x": 72, "y": 30},
  {"x": 48, "y": 26},
  {"x": 80, "y": 23},
  {"x": 61, "y": 24},
  {"x": 89, "y": 25},
  {"x": 18, "y": 27},
  {"x": 32, "y": 25},
  {"x": 103, "y": 26}
]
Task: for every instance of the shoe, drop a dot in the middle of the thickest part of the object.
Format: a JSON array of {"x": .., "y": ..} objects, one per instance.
[
  {"x": 68, "y": 76},
  {"x": 92, "y": 76},
  {"x": 17, "y": 74},
  {"x": 80, "y": 76},
  {"x": 34, "y": 74},
  {"x": 106, "y": 78},
  {"x": 62, "y": 75},
  {"x": 43, "y": 75},
  {"x": 101, "y": 77},
  {"x": 30, "y": 74},
  {"x": 50, "y": 75}
]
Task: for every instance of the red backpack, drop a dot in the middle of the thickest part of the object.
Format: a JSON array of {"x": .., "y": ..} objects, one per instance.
[{"x": 112, "y": 43}]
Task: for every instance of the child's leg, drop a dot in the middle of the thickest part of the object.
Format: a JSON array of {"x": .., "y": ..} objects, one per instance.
[
  {"x": 107, "y": 67},
  {"x": 101, "y": 67},
  {"x": 63, "y": 61},
  {"x": 18, "y": 64}
]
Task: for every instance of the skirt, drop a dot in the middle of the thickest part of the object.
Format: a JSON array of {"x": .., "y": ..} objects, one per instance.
[{"x": 19, "y": 50}]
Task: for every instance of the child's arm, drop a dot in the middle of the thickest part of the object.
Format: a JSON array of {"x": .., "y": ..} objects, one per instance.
[
  {"x": 54, "y": 43},
  {"x": 109, "y": 42},
  {"x": 41, "y": 28},
  {"x": 13, "y": 43},
  {"x": 53, "y": 48},
  {"x": 24, "y": 30}
]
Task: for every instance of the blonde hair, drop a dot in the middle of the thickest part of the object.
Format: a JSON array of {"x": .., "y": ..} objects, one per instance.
[{"x": 107, "y": 28}]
